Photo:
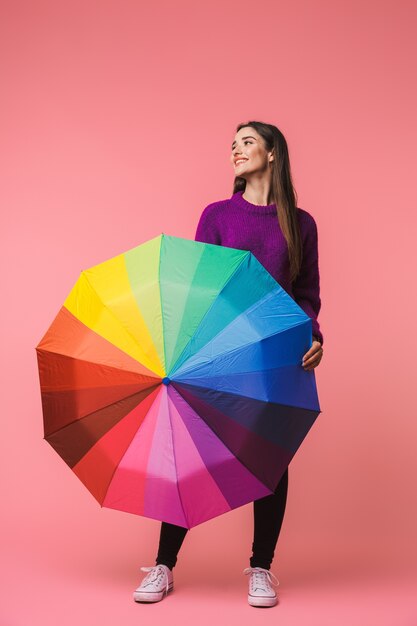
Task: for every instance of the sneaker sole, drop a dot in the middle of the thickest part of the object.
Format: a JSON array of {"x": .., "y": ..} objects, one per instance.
[
  {"x": 262, "y": 601},
  {"x": 148, "y": 596}
]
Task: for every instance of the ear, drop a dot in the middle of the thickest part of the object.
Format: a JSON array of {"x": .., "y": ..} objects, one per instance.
[{"x": 271, "y": 155}]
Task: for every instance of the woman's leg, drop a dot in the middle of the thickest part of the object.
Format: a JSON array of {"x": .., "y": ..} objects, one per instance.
[
  {"x": 268, "y": 514},
  {"x": 170, "y": 542}
]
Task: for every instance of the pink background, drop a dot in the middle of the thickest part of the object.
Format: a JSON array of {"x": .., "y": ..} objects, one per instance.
[{"x": 116, "y": 125}]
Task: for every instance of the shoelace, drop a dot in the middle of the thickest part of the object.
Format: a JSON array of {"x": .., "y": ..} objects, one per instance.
[
  {"x": 262, "y": 576},
  {"x": 154, "y": 573}
]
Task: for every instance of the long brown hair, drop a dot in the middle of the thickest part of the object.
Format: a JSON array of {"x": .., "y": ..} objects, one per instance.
[{"x": 281, "y": 191}]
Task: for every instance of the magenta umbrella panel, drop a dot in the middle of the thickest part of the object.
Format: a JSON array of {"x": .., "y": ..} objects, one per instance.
[{"x": 171, "y": 380}]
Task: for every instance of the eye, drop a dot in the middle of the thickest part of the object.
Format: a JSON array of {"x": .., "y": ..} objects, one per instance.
[{"x": 245, "y": 142}]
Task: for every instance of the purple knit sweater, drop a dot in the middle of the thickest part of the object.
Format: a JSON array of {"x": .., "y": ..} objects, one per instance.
[{"x": 237, "y": 223}]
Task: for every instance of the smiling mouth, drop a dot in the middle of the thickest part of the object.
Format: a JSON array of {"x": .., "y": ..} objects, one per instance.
[{"x": 240, "y": 161}]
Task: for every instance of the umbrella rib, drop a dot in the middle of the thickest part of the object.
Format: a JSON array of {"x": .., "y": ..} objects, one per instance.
[
  {"x": 175, "y": 462},
  {"x": 125, "y": 452},
  {"x": 244, "y": 257},
  {"x": 220, "y": 439},
  {"x": 236, "y": 349},
  {"x": 268, "y": 295},
  {"x": 122, "y": 326},
  {"x": 104, "y": 364},
  {"x": 179, "y": 382},
  {"x": 277, "y": 404},
  {"x": 162, "y": 311},
  {"x": 75, "y": 421}
]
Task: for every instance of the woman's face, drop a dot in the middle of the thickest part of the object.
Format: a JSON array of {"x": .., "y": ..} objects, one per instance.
[{"x": 249, "y": 154}]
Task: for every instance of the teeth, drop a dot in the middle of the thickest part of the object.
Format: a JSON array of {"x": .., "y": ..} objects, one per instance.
[{"x": 240, "y": 161}]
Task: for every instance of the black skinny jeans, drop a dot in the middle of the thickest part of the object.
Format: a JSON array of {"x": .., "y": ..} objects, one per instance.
[{"x": 268, "y": 513}]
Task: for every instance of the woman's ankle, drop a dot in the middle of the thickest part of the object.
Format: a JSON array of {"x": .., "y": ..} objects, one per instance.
[{"x": 170, "y": 567}]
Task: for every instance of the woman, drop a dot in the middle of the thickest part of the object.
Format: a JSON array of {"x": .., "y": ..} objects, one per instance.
[{"x": 261, "y": 216}]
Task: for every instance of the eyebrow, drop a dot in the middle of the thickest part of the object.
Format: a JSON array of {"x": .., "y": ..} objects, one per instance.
[{"x": 248, "y": 137}]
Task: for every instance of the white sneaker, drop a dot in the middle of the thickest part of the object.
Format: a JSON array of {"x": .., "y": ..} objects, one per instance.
[
  {"x": 155, "y": 585},
  {"x": 260, "y": 591}
]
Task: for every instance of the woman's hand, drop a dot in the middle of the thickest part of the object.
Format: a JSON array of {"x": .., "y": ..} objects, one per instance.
[{"x": 313, "y": 357}]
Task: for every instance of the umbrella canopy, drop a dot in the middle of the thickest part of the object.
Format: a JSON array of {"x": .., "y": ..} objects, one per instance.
[{"x": 171, "y": 380}]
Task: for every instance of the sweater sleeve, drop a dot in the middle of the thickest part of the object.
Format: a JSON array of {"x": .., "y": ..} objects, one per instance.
[
  {"x": 207, "y": 231},
  {"x": 306, "y": 287}
]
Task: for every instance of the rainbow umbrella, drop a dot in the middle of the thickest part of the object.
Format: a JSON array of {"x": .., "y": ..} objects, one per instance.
[{"x": 171, "y": 380}]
